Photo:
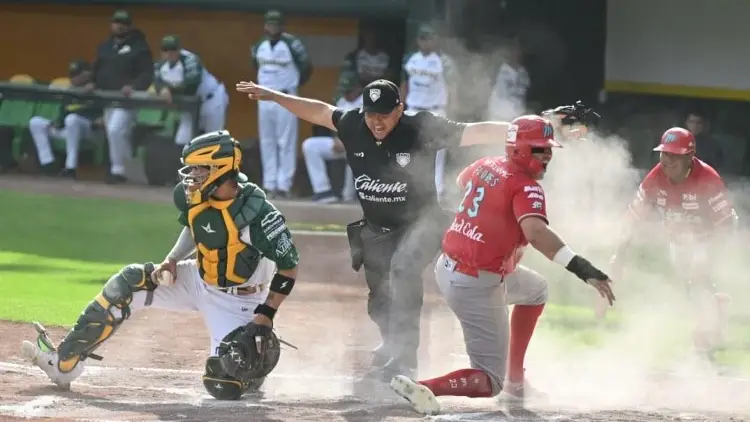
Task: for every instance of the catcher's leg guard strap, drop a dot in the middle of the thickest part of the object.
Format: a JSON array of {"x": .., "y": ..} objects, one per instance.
[
  {"x": 219, "y": 384},
  {"x": 104, "y": 314}
]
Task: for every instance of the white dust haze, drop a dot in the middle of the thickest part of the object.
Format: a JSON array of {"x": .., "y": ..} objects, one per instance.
[{"x": 588, "y": 186}]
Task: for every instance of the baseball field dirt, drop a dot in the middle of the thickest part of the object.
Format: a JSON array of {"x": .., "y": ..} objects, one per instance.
[{"x": 152, "y": 366}]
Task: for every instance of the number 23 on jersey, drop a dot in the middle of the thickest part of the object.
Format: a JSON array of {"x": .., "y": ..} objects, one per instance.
[{"x": 476, "y": 194}]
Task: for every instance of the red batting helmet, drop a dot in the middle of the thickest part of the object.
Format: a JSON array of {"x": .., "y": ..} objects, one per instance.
[
  {"x": 677, "y": 141},
  {"x": 524, "y": 134}
]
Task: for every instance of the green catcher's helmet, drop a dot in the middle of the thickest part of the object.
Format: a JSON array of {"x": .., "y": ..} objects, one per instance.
[{"x": 209, "y": 160}]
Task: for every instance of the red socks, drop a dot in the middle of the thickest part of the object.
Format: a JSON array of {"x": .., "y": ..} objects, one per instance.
[
  {"x": 522, "y": 324},
  {"x": 464, "y": 382}
]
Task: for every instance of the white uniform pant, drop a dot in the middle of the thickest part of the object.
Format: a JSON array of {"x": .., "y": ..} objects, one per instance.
[
  {"x": 212, "y": 117},
  {"x": 221, "y": 311},
  {"x": 277, "y": 129},
  {"x": 481, "y": 305},
  {"x": 119, "y": 124},
  {"x": 317, "y": 150},
  {"x": 76, "y": 128},
  {"x": 691, "y": 271}
]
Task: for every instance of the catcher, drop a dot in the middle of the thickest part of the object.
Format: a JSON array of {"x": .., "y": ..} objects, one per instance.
[
  {"x": 691, "y": 202},
  {"x": 245, "y": 266}
]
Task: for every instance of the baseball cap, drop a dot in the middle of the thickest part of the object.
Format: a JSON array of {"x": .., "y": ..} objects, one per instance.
[
  {"x": 170, "y": 43},
  {"x": 381, "y": 96},
  {"x": 76, "y": 67},
  {"x": 122, "y": 16},
  {"x": 425, "y": 31},
  {"x": 273, "y": 16}
]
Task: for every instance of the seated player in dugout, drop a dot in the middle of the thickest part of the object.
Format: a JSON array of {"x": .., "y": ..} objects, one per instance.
[{"x": 245, "y": 266}]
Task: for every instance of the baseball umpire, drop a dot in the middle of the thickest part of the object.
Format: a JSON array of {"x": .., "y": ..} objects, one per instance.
[
  {"x": 245, "y": 267},
  {"x": 392, "y": 156}
]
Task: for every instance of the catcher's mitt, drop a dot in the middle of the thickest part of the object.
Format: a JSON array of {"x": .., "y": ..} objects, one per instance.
[
  {"x": 250, "y": 351},
  {"x": 576, "y": 113}
]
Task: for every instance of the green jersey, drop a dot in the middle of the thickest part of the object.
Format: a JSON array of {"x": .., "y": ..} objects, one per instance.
[{"x": 231, "y": 237}]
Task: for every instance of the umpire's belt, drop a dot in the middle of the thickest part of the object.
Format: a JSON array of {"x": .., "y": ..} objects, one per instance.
[
  {"x": 379, "y": 229},
  {"x": 243, "y": 291}
]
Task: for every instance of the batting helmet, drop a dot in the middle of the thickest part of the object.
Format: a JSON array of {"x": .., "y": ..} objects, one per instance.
[
  {"x": 525, "y": 134},
  {"x": 210, "y": 160},
  {"x": 677, "y": 141}
]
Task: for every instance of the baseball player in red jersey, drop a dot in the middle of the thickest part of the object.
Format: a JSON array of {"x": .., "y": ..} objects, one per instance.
[
  {"x": 692, "y": 203},
  {"x": 503, "y": 210}
]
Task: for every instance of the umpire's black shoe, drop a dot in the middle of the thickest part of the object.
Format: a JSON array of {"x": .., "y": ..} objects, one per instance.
[{"x": 68, "y": 174}]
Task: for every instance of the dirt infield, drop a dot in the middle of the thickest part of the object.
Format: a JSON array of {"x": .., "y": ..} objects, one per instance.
[{"x": 152, "y": 366}]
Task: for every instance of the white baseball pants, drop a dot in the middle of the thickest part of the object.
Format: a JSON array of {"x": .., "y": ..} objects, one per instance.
[
  {"x": 277, "y": 129},
  {"x": 317, "y": 150},
  {"x": 119, "y": 124},
  {"x": 212, "y": 117},
  {"x": 221, "y": 311},
  {"x": 76, "y": 128}
]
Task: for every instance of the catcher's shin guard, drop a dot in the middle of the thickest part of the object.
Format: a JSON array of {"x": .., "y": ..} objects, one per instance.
[
  {"x": 222, "y": 386},
  {"x": 104, "y": 314}
]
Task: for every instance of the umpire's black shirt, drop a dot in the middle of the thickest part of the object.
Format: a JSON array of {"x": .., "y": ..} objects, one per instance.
[{"x": 395, "y": 177}]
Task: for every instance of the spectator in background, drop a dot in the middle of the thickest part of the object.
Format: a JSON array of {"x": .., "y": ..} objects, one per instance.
[
  {"x": 74, "y": 124},
  {"x": 327, "y": 146},
  {"x": 508, "y": 97},
  {"x": 124, "y": 63},
  {"x": 180, "y": 72},
  {"x": 369, "y": 62},
  {"x": 707, "y": 147},
  {"x": 424, "y": 79},
  {"x": 282, "y": 63}
]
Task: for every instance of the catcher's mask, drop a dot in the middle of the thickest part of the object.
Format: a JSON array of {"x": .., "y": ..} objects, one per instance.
[
  {"x": 245, "y": 357},
  {"x": 209, "y": 160},
  {"x": 528, "y": 137}
]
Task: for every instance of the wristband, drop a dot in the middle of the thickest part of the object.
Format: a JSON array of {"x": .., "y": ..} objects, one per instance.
[
  {"x": 266, "y": 310},
  {"x": 282, "y": 284},
  {"x": 564, "y": 256},
  {"x": 584, "y": 270}
]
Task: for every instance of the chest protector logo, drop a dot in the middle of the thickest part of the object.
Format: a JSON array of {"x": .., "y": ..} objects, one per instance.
[{"x": 403, "y": 158}]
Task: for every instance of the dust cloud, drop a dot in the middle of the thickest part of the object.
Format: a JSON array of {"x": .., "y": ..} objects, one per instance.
[{"x": 645, "y": 359}]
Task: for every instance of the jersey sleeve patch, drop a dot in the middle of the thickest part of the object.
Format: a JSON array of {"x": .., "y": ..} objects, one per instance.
[{"x": 530, "y": 201}]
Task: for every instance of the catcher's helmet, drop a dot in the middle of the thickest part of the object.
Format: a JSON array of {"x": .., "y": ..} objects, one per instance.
[
  {"x": 677, "y": 141},
  {"x": 524, "y": 135},
  {"x": 209, "y": 160}
]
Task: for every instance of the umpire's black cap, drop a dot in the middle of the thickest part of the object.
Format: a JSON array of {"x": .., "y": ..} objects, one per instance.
[{"x": 381, "y": 96}]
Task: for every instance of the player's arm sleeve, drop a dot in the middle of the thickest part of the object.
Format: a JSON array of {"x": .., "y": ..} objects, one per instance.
[
  {"x": 193, "y": 75},
  {"x": 301, "y": 59},
  {"x": 441, "y": 132},
  {"x": 143, "y": 67},
  {"x": 721, "y": 210},
  {"x": 643, "y": 202},
  {"x": 180, "y": 201},
  {"x": 404, "y": 62},
  {"x": 529, "y": 201},
  {"x": 183, "y": 246},
  {"x": 159, "y": 83},
  {"x": 254, "y": 54},
  {"x": 271, "y": 236}
]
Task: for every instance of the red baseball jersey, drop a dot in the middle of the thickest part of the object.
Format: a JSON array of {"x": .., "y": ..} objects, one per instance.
[
  {"x": 486, "y": 232},
  {"x": 693, "y": 207}
]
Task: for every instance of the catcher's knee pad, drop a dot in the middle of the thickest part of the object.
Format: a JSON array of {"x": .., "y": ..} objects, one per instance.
[
  {"x": 104, "y": 314},
  {"x": 223, "y": 386}
]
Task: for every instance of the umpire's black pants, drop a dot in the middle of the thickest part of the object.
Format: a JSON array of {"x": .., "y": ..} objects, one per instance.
[{"x": 394, "y": 260}]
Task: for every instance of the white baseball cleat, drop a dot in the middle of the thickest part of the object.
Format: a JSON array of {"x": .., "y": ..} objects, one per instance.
[
  {"x": 420, "y": 397},
  {"x": 47, "y": 362}
]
